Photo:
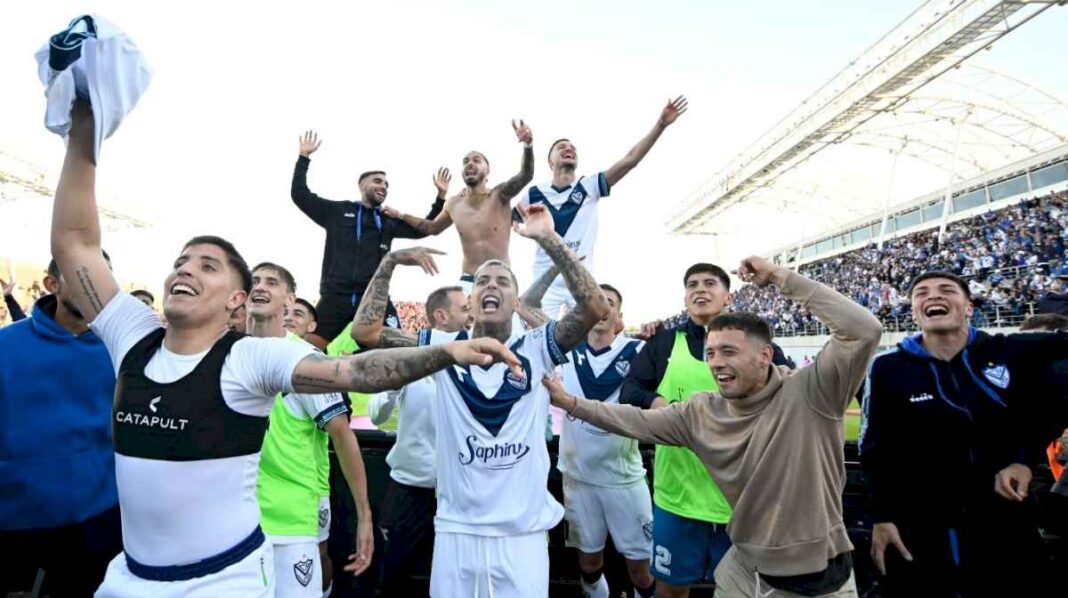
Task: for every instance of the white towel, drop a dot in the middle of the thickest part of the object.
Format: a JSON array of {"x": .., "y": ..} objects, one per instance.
[{"x": 95, "y": 61}]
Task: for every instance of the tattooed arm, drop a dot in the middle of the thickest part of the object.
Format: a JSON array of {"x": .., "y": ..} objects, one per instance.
[
  {"x": 76, "y": 222},
  {"x": 367, "y": 327},
  {"x": 422, "y": 225},
  {"x": 530, "y": 303},
  {"x": 390, "y": 369},
  {"x": 672, "y": 111},
  {"x": 510, "y": 188},
  {"x": 590, "y": 302}
]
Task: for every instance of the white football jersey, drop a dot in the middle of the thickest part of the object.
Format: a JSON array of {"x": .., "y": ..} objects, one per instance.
[
  {"x": 493, "y": 465},
  {"x": 588, "y": 453},
  {"x": 574, "y": 211}
]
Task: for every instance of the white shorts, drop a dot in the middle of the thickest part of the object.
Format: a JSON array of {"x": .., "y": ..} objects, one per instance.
[
  {"x": 324, "y": 518},
  {"x": 297, "y": 570},
  {"x": 251, "y": 576},
  {"x": 594, "y": 512},
  {"x": 503, "y": 567}
]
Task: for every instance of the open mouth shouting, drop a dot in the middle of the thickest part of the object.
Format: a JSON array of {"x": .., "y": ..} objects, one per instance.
[
  {"x": 935, "y": 310},
  {"x": 490, "y": 304}
]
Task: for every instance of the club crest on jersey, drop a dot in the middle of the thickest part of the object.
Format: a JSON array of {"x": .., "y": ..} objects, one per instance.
[
  {"x": 576, "y": 196},
  {"x": 302, "y": 570},
  {"x": 998, "y": 375},
  {"x": 623, "y": 368},
  {"x": 515, "y": 381},
  {"x": 324, "y": 517}
]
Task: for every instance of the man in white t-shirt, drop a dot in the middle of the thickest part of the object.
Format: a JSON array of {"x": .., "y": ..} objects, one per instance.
[
  {"x": 191, "y": 401},
  {"x": 492, "y": 462},
  {"x": 573, "y": 200},
  {"x": 294, "y": 457},
  {"x": 406, "y": 518}
]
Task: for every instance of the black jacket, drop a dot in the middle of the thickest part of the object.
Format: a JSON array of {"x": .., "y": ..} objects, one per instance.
[
  {"x": 648, "y": 367},
  {"x": 350, "y": 260},
  {"x": 935, "y": 433}
]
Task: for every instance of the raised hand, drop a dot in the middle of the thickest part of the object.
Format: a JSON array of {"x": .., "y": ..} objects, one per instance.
[
  {"x": 760, "y": 272},
  {"x": 522, "y": 132},
  {"x": 418, "y": 256},
  {"x": 309, "y": 142},
  {"x": 537, "y": 222},
  {"x": 8, "y": 287},
  {"x": 484, "y": 351},
  {"x": 673, "y": 111},
  {"x": 441, "y": 181}
]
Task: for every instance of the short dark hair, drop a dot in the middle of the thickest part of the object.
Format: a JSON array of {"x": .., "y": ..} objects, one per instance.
[
  {"x": 941, "y": 274},
  {"x": 1049, "y": 322},
  {"x": 503, "y": 264},
  {"x": 53, "y": 267},
  {"x": 746, "y": 321},
  {"x": 286, "y": 275},
  {"x": 706, "y": 268},
  {"x": 439, "y": 299},
  {"x": 481, "y": 154},
  {"x": 364, "y": 175},
  {"x": 143, "y": 292},
  {"x": 553, "y": 146},
  {"x": 311, "y": 308},
  {"x": 233, "y": 258},
  {"x": 619, "y": 296}
]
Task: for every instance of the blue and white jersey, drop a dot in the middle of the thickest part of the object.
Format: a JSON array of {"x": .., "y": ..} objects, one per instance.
[
  {"x": 574, "y": 211},
  {"x": 492, "y": 462},
  {"x": 588, "y": 453}
]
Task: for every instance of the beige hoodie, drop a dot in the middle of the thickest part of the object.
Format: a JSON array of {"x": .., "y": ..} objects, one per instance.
[{"x": 777, "y": 455}]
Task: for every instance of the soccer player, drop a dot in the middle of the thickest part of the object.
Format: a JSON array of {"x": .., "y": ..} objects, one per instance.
[
  {"x": 573, "y": 200},
  {"x": 944, "y": 411},
  {"x": 407, "y": 516},
  {"x": 492, "y": 462},
  {"x": 294, "y": 456},
  {"x": 482, "y": 215},
  {"x": 302, "y": 318},
  {"x": 192, "y": 400},
  {"x": 770, "y": 438},
  {"x": 358, "y": 234}
]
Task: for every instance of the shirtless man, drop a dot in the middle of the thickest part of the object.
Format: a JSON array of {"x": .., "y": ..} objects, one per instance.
[{"x": 483, "y": 216}]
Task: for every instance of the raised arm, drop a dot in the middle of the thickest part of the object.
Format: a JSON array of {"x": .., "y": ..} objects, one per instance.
[
  {"x": 530, "y": 302},
  {"x": 76, "y": 223},
  {"x": 13, "y": 307},
  {"x": 313, "y": 206},
  {"x": 510, "y": 188},
  {"x": 841, "y": 365},
  {"x": 390, "y": 369},
  {"x": 590, "y": 302},
  {"x": 404, "y": 229},
  {"x": 367, "y": 327},
  {"x": 672, "y": 111}
]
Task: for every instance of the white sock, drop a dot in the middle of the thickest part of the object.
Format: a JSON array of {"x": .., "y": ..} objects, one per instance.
[{"x": 597, "y": 590}]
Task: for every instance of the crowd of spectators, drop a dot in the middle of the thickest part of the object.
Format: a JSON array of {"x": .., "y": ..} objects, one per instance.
[
  {"x": 1011, "y": 258},
  {"x": 412, "y": 316}
]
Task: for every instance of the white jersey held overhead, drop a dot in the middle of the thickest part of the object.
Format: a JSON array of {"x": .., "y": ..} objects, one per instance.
[
  {"x": 573, "y": 201},
  {"x": 94, "y": 61}
]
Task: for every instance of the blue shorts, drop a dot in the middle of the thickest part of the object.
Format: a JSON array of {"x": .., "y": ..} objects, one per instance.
[{"x": 685, "y": 551}]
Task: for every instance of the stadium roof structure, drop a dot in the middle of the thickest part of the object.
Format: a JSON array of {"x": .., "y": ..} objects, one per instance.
[
  {"x": 24, "y": 186},
  {"x": 910, "y": 115}
]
